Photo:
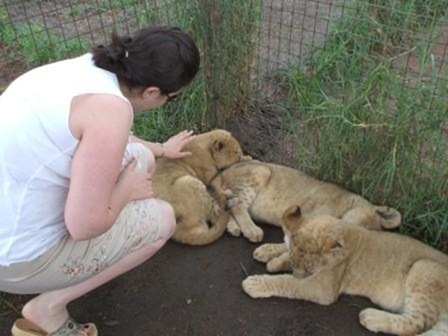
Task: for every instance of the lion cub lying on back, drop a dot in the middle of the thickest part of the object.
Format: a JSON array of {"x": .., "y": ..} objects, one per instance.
[
  {"x": 329, "y": 257},
  {"x": 263, "y": 191},
  {"x": 182, "y": 182}
]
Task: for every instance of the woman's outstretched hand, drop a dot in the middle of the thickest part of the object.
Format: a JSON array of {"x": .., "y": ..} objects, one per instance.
[{"x": 172, "y": 148}]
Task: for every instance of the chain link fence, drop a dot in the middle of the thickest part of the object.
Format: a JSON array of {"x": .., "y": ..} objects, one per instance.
[{"x": 286, "y": 30}]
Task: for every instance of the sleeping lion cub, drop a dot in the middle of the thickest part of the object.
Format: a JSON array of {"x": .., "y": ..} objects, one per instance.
[
  {"x": 263, "y": 191},
  {"x": 200, "y": 218},
  {"x": 329, "y": 257}
]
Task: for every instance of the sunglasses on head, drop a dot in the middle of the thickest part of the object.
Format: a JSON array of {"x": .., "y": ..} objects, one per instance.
[{"x": 172, "y": 98}]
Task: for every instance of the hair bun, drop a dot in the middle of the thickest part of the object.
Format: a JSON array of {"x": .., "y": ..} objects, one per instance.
[
  {"x": 117, "y": 50},
  {"x": 162, "y": 57}
]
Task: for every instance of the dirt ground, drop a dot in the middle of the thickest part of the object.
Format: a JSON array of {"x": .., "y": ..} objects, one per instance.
[{"x": 196, "y": 291}]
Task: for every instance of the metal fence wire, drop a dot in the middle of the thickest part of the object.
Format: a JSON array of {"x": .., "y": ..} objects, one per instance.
[{"x": 287, "y": 30}]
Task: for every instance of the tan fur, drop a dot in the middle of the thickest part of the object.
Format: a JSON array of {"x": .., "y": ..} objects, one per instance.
[
  {"x": 329, "y": 257},
  {"x": 201, "y": 218},
  {"x": 263, "y": 191}
]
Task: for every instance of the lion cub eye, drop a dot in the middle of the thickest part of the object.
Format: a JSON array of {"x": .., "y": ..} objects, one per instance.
[
  {"x": 331, "y": 244},
  {"x": 338, "y": 245}
]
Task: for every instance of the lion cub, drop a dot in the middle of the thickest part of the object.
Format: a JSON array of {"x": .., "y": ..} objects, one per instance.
[
  {"x": 398, "y": 273},
  {"x": 201, "y": 218},
  {"x": 263, "y": 191}
]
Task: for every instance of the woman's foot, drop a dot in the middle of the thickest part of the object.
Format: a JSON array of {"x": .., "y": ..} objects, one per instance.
[
  {"x": 42, "y": 312},
  {"x": 23, "y": 327}
]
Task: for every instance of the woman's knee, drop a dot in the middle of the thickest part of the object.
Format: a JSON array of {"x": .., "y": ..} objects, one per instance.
[{"x": 168, "y": 224}]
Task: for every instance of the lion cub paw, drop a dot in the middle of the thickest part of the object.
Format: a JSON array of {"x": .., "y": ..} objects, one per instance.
[
  {"x": 255, "y": 286},
  {"x": 279, "y": 264},
  {"x": 375, "y": 320},
  {"x": 267, "y": 252},
  {"x": 253, "y": 233},
  {"x": 391, "y": 216},
  {"x": 233, "y": 228}
]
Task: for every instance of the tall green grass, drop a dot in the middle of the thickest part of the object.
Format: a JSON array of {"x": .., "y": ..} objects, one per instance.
[
  {"x": 363, "y": 128},
  {"x": 36, "y": 44}
]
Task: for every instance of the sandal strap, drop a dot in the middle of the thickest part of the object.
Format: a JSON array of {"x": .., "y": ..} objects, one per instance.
[{"x": 71, "y": 328}]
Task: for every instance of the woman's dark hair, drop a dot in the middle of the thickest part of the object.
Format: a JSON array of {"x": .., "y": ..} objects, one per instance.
[{"x": 164, "y": 57}]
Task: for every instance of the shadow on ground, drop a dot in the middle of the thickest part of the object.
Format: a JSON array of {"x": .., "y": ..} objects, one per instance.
[{"x": 196, "y": 291}]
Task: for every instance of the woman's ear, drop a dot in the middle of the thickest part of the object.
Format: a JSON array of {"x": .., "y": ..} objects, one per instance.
[{"x": 151, "y": 92}]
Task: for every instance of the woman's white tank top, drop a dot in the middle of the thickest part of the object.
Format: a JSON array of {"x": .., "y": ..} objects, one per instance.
[{"x": 36, "y": 151}]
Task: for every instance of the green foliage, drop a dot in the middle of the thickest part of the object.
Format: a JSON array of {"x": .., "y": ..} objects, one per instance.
[
  {"x": 231, "y": 25},
  {"x": 188, "y": 112},
  {"x": 6, "y": 31},
  {"x": 366, "y": 130},
  {"x": 38, "y": 45},
  {"x": 398, "y": 19}
]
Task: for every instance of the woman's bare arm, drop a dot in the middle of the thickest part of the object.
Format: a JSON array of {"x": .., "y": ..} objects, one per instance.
[{"x": 97, "y": 191}]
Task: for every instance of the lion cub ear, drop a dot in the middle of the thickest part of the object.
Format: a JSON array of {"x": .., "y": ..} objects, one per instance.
[
  {"x": 218, "y": 145},
  {"x": 292, "y": 218}
]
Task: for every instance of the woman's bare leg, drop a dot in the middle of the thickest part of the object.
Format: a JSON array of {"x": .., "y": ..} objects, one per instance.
[{"x": 49, "y": 310}]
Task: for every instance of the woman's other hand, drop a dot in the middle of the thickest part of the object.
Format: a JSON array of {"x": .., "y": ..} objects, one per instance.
[{"x": 137, "y": 185}]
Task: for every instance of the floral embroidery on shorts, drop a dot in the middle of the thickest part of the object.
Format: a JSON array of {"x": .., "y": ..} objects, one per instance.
[
  {"x": 142, "y": 221},
  {"x": 136, "y": 226},
  {"x": 73, "y": 267},
  {"x": 80, "y": 266}
]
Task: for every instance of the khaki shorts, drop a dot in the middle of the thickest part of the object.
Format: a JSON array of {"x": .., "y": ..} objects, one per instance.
[{"x": 71, "y": 262}]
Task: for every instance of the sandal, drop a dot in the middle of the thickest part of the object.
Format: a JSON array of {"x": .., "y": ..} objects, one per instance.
[{"x": 23, "y": 327}]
